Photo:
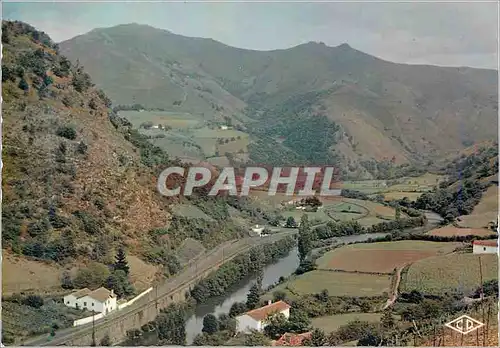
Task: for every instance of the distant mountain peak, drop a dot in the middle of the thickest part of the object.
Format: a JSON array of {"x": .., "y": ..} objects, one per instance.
[{"x": 344, "y": 46}]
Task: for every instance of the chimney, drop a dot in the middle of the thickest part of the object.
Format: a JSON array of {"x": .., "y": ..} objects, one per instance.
[
  {"x": 269, "y": 302},
  {"x": 112, "y": 293}
]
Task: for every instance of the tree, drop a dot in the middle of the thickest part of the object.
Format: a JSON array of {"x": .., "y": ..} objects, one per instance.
[
  {"x": 106, "y": 341},
  {"x": 118, "y": 281},
  {"x": 121, "y": 261},
  {"x": 171, "y": 324},
  {"x": 318, "y": 338},
  {"x": 67, "y": 132},
  {"x": 387, "y": 320},
  {"x": 398, "y": 213},
  {"x": 277, "y": 325},
  {"x": 299, "y": 321},
  {"x": 23, "y": 85},
  {"x": 93, "y": 276},
  {"x": 34, "y": 301},
  {"x": 253, "y": 297},
  {"x": 290, "y": 222},
  {"x": 305, "y": 238},
  {"x": 255, "y": 338},
  {"x": 66, "y": 281},
  {"x": 279, "y": 295},
  {"x": 226, "y": 323},
  {"x": 210, "y": 324},
  {"x": 237, "y": 308}
]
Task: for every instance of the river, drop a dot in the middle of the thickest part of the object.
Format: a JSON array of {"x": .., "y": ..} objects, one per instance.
[
  {"x": 283, "y": 267},
  {"x": 238, "y": 293}
]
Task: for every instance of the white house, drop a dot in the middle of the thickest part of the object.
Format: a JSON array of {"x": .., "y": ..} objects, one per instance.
[
  {"x": 100, "y": 300},
  {"x": 258, "y": 229},
  {"x": 224, "y": 127},
  {"x": 485, "y": 246},
  {"x": 256, "y": 319}
]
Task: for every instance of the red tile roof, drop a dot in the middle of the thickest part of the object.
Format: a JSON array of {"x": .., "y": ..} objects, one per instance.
[
  {"x": 291, "y": 339},
  {"x": 491, "y": 242},
  {"x": 263, "y": 312}
]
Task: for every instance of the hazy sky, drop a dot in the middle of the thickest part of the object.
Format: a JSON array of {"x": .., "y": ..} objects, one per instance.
[{"x": 428, "y": 33}]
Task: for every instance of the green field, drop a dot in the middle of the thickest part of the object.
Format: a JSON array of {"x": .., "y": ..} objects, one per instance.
[
  {"x": 337, "y": 284},
  {"x": 411, "y": 187},
  {"x": 458, "y": 271},
  {"x": 172, "y": 119},
  {"x": 190, "y": 211},
  {"x": 333, "y": 322}
]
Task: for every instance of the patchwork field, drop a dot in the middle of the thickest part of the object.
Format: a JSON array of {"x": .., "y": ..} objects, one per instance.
[
  {"x": 333, "y": 322},
  {"x": 450, "y": 231},
  {"x": 166, "y": 118},
  {"x": 337, "y": 284},
  {"x": 412, "y": 196},
  {"x": 190, "y": 211},
  {"x": 457, "y": 271},
  {"x": 484, "y": 212},
  {"x": 381, "y": 257}
]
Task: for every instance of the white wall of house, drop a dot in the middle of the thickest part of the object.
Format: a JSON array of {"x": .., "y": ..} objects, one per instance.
[
  {"x": 70, "y": 301},
  {"x": 484, "y": 249},
  {"x": 91, "y": 304},
  {"x": 286, "y": 313},
  {"x": 247, "y": 323}
]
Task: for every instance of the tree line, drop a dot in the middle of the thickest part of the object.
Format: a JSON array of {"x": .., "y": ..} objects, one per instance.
[{"x": 233, "y": 271}]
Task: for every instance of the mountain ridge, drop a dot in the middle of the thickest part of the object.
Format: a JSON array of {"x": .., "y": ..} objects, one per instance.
[{"x": 410, "y": 112}]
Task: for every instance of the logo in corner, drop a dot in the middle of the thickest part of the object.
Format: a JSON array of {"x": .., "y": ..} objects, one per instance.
[{"x": 464, "y": 324}]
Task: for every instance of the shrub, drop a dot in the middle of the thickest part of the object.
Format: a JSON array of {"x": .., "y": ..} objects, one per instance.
[
  {"x": 67, "y": 132},
  {"x": 23, "y": 85},
  {"x": 94, "y": 276},
  {"x": 82, "y": 148},
  {"x": 34, "y": 301}
]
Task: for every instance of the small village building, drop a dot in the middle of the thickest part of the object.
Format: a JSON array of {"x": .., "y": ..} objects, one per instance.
[
  {"x": 258, "y": 229},
  {"x": 256, "y": 318},
  {"x": 100, "y": 300},
  {"x": 292, "y": 339},
  {"x": 485, "y": 246}
]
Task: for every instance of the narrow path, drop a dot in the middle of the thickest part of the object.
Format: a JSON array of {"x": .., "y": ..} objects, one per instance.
[{"x": 393, "y": 296}]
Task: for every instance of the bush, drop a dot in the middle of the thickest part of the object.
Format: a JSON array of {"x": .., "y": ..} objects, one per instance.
[
  {"x": 34, "y": 301},
  {"x": 67, "y": 132},
  {"x": 94, "y": 276},
  {"x": 23, "y": 85}
]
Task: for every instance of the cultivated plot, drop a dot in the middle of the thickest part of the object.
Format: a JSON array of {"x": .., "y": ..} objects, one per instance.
[
  {"x": 451, "y": 231},
  {"x": 381, "y": 257},
  {"x": 453, "y": 272},
  {"x": 338, "y": 283}
]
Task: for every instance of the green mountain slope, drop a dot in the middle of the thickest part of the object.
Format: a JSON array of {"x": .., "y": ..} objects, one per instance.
[
  {"x": 77, "y": 179},
  {"x": 385, "y": 110}
]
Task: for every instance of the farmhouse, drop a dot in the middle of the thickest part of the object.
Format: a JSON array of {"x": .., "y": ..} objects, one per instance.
[
  {"x": 100, "y": 300},
  {"x": 292, "y": 339},
  {"x": 485, "y": 246},
  {"x": 256, "y": 319}
]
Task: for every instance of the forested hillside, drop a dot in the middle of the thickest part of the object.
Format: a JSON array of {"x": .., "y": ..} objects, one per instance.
[
  {"x": 468, "y": 177},
  {"x": 78, "y": 181}
]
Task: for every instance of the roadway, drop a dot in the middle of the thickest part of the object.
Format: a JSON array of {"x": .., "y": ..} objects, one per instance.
[{"x": 221, "y": 254}]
